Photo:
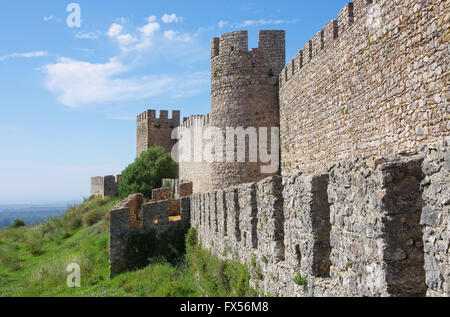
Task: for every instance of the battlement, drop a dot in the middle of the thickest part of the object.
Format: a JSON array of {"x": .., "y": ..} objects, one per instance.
[
  {"x": 196, "y": 121},
  {"x": 150, "y": 116},
  {"x": 325, "y": 38},
  {"x": 355, "y": 89},
  {"x": 237, "y": 41},
  {"x": 229, "y": 42}
]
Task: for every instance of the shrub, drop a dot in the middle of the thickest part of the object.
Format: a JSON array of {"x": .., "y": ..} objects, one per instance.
[
  {"x": 191, "y": 238},
  {"x": 92, "y": 217},
  {"x": 11, "y": 260},
  {"x": 299, "y": 280},
  {"x": 36, "y": 249},
  {"x": 147, "y": 172},
  {"x": 17, "y": 224}
]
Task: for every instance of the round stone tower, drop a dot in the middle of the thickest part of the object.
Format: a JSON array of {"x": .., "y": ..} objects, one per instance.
[{"x": 244, "y": 94}]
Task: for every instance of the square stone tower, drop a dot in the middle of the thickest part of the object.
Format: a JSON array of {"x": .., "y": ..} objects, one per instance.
[{"x": 153, "y": 131}]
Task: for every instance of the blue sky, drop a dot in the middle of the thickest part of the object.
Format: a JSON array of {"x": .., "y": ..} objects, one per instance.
[{"x": 69, "y": 96}]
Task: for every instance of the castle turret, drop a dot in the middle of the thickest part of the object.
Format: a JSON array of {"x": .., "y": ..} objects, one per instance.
[
  {"x": 153, "y": 131},
  {"x": 244, "y": 93}
]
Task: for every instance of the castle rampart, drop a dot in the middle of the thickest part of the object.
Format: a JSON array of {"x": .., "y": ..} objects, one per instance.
[
  {"x": 352, "y": 214},
  {"x": 372, "y": 82},
  {"x": 370, "y": 227}
]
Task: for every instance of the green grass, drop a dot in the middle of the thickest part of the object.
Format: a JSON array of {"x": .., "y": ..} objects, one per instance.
[
  {"x": 216, "y": 277},
  {"x": 33, "y": 262}
]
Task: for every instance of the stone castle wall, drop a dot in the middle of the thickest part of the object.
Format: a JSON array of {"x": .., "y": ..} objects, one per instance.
[
  {"x": 179, "y": 188},
  {"x": 153, "y": 131},
  {"x": 371, "y": 227},
  {"x": 373, "y": 81},
  {"x": 193, "y": 167},
  {"x": 244, "y": 93},
  {"x": 435, "y": 218}
]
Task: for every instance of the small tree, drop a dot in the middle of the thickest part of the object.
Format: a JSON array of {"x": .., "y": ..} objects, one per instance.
[
  {"x": 17, "y": 224},
  {"x": 147, "y": 172}
]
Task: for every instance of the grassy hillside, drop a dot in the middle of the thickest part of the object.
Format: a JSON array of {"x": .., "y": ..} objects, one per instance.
[{"x": 33, "y": 262}]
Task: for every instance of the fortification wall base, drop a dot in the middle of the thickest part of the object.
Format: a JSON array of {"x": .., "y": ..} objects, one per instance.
[{"x": 371, "y": 227}]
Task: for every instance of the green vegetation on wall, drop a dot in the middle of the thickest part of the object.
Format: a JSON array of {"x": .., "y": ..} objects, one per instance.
[
  {"x": 216, "y": 277},
  {"x": 144, "y": 248},
  {"x": 147, "y": 173}
]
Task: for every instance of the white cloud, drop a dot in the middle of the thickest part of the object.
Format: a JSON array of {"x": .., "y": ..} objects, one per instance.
[
  {"x": 150, "y": 28},
  {"x": 124, "y": 40},
  {"x": 174, "y": 35},
  {"x": 222, "y": 24},
  {"x": 49, "y": 18},
  {"x": 24, "y": 55},
  {"x": 128, "y": 42},
  {"x": 169, "y": 18},
  {"x": 170, "y": 34},
  {"x": 32, "y": 54},
  {"x": 259, "y": 22},
  {"x": 78, "y": 83},
  {"x": 114, "y": 30}
]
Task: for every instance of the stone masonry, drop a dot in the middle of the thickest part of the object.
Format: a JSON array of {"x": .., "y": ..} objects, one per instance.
[
  {"x": 374, "y": 81},
  {"x": 161, "y": 194},
  {"x": 104, "y": 185},
  {"x": 192, "y": 166},
  {"x": 244, "y": 93},
  {"x": 153, "y": 131},
  {"x": 371, "y": 227},
  {"x": 155, "y": 218},
  {"x": 435, "y": 218},
  {"x": 179, "y": 188},
  {"x": 362, "y": 204}
]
